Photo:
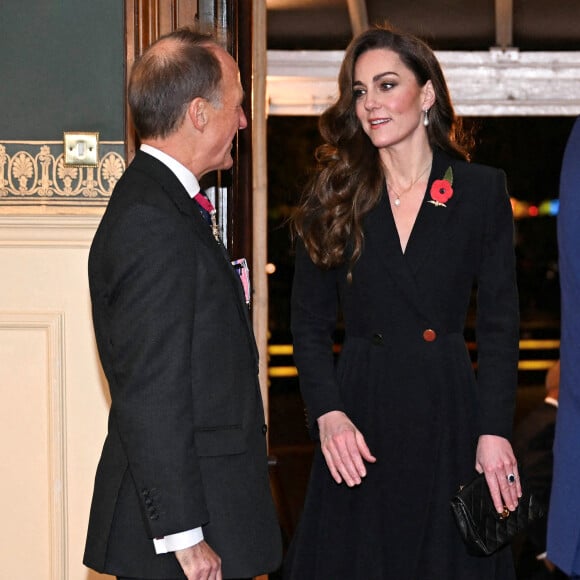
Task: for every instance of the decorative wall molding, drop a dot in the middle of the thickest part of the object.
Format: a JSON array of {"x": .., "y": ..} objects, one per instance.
[
  {"x": 481, "y": 83},
  {"x": 52, "y": 324},
  {"x": 33, "y": 173},
  {"x": 47, "y": 231}
]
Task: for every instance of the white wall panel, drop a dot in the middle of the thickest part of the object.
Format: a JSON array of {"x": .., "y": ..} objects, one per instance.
[{"x": 54, "y": 399}]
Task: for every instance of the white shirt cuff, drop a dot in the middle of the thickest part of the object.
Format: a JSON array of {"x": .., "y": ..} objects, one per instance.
[{"x": 179, "y": 541}]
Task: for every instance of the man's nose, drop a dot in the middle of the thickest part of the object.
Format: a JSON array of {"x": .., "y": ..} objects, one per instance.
[{"x": 243, "y": 123}]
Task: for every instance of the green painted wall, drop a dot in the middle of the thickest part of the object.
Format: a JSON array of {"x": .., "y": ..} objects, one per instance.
[{"x": 61, "y": 68}]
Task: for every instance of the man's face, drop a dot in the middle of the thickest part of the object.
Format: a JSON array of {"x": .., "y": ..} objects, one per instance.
[{"x": 227, "y": 117}]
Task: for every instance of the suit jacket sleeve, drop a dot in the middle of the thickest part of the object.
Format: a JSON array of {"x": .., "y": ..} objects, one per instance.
[
  {"x": 497, "y": 329},
  {"x": 150, "y": 327},
  {"x": 313, "y": 321}
]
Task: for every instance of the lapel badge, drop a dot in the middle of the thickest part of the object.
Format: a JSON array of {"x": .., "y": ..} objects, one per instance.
[{"x": 442, "y": 190}]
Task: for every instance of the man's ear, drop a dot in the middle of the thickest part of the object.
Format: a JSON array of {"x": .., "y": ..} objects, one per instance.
[{"x": 198, "y": 113}]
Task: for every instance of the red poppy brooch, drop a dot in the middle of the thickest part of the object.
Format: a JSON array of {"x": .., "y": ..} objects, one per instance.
[{"x": 441, "y": 190}]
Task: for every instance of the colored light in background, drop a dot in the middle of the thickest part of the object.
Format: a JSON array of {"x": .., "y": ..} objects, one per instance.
[
  {"x": 523, "y": 209},
  {"x": 519, "y": 208},
  {"x": 554, "y": 206}
]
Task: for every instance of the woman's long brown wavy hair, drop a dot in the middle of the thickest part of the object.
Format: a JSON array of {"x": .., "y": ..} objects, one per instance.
[{"x": 349, "y": 178}]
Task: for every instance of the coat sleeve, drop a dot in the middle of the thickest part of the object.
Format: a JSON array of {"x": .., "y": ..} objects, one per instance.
[
  {"x": 149, "y": 333},
  {"x": 313, "y": 321},
  {"x": 497, "y": 330}
]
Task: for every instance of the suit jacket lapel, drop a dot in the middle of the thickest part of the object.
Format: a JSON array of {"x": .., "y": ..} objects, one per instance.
[
  {"x": 186, "y": 205},
  {"x": 404, "y": 268},
  {"x": 381, "y": 235},
  {"x": 431, "y": 219}
]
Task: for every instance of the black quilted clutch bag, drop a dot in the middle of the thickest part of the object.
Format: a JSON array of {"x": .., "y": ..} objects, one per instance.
[{"x": 484, "y": 530}]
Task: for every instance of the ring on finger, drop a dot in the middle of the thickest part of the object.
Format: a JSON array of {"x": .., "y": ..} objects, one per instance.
[{"x": 511, "y": 478}]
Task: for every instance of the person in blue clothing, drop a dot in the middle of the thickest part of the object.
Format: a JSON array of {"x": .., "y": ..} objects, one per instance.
[{"x": 564, "y": 514}]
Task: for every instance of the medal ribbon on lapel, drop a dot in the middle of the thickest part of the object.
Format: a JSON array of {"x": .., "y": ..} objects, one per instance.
[{"x": 207, "y": 207}]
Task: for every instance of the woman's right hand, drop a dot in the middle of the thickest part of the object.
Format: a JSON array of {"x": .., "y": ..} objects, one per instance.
[{"x": 344, "y": 448}]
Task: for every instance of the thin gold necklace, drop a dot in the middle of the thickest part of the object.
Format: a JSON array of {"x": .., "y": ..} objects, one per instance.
[{"x": 398, "y": 194}]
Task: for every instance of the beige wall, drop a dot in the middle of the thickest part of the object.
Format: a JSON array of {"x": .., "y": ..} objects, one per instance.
[{"x": 53, "y": 416}]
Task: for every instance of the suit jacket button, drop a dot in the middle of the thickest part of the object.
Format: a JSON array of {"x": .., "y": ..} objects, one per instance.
[
  {"x": 264, "y": 429},
  {"x": 429, "y": 335},
  {"x": 377, "y": 338}
]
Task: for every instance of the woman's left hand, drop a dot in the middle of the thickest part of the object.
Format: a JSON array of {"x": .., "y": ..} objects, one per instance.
[{"x": 495, "y": 458}]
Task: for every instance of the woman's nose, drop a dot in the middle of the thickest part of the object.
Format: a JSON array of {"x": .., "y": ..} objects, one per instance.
[{"x": 370, "y": 103}]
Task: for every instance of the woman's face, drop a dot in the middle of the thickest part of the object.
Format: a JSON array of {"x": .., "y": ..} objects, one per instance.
[{"x": 388, "y": 100}]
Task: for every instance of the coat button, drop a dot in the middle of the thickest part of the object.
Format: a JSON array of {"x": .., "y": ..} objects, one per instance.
[
  {"x": 377, "y": 338},
  {"x": 264, "y": 429},
  {"x": 429, "y": 335}
]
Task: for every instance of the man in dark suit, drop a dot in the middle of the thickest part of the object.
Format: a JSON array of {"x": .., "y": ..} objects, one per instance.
[
  {"x": 181, "y": 490},
  {"x": 564, "y": 514},
  {"x": 533, "y": 442}
]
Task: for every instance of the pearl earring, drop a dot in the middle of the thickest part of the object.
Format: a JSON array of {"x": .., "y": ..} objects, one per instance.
[{"x": 426, "y": 118}]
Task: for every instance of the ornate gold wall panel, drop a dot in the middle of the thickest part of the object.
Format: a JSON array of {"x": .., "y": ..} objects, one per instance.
[{"x": 33, "y": 173}]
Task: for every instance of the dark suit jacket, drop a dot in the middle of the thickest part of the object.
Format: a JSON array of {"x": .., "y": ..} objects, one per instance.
[
  {"x": 564, "y": 515},
  {"x": 186, "y": 435},
  {"x": 533, "y": 442},
  {"x": 405, "y": 378},
  {"x": 427, "y": 287}
]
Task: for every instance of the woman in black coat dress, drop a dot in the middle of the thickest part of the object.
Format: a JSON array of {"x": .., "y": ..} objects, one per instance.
[{"x": 395, "y": 230}]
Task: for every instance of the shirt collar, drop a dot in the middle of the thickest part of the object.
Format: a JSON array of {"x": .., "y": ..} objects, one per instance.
[{"x": 185, "y": 176}]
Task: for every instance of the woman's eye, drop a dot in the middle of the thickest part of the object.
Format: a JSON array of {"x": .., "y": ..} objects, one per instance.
[
  {"x": 357, "y": 93},
  {"x": 387, "y": 86}
]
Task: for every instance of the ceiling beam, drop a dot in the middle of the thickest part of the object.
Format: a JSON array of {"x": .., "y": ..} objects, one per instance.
[
  {"x": 481, "y": 83},
  {"x": 359, "y": 20},
  {"x": 504, "y": 24}
]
